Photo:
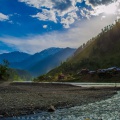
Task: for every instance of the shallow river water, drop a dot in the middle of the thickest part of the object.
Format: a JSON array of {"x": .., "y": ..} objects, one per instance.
[{"x": 104, "y": 110}]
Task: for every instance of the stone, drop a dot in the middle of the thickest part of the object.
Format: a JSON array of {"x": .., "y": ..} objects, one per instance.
[{"x": 51, "y": 108}]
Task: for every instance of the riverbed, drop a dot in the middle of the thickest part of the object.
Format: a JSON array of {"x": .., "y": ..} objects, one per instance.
[
  {"x": 104, "y": 110},
  {"x": 71, "y": 101}
]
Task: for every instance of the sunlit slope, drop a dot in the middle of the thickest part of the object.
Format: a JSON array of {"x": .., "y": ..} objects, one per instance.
[{"x": 101, "y": 51}]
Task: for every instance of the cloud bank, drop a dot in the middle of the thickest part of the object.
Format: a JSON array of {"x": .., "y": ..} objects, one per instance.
[{"x": 67, "y": 12}]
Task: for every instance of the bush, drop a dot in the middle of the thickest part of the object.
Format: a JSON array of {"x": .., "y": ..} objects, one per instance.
[{"x": 4, "y": 71}]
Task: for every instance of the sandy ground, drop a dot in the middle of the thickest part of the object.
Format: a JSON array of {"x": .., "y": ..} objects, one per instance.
[{"x": 26, "y": 98}]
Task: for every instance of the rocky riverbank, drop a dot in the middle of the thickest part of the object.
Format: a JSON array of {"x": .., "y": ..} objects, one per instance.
[{"x": 26, "y": 98}]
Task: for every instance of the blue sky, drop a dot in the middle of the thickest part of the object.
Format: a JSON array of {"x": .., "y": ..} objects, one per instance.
[{"x": 33, "y": 25}]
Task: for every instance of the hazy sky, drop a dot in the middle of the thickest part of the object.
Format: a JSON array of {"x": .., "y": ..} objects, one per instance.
[{"x": 33, "y": 25}]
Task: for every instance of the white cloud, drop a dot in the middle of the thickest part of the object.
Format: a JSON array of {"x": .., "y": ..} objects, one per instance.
[
  {"x": 3, "y": 17},
  {"x": 56, "y": 10},
  {"x": 112, "y": 8},
  {"x": 69, "y": 19},
  {"x": 46, "y": 15},
  {"x": 65, "y": 12},
  {"x": 39, "y": 3},
  {"x": 61, "y": 9},
  {"x": 85, "y": 13},
  {"x": 45, "y": 26}
]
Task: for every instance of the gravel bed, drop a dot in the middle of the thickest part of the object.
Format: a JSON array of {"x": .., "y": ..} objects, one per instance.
[{"x": 22, "y": 99}]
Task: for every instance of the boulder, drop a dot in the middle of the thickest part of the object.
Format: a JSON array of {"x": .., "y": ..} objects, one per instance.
[{"x": 51, "y": 108}]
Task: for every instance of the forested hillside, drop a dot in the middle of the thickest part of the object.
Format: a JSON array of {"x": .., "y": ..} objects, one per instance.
[{"x": 9, "y": 74}]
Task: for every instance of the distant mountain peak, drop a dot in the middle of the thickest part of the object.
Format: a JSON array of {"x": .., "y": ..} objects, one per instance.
[{"x": 14, "y": 56}]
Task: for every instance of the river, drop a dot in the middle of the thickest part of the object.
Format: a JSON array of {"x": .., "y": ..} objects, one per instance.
[
  {"x": 83, "y": 84},
  {"x": 104, "y": 110}
]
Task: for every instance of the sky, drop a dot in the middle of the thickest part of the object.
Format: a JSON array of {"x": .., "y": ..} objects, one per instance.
[{"x": 34, "y": 25}]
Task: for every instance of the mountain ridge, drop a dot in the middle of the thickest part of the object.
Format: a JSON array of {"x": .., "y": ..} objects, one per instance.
[
  {"x": 34, "y": 58},
  {"x": 15, "y": 56}
]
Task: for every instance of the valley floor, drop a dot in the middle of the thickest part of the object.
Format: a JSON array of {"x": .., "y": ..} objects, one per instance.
[{"x": 26, "y": 98}]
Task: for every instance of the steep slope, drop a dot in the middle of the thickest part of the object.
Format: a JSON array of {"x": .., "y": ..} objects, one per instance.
[
  {"x": 105, "y": 46},
  {"x": 14, "y": 56},
  {"x": 51, "y": 62},
  {"x": 103, "y": 51},
  {"x": 33, "y": 59}
]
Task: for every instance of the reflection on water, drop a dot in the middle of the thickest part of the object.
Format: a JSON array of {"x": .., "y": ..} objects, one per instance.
[{"x": 105, "y": 110}]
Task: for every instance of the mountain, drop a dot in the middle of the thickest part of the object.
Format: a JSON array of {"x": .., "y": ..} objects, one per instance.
[
  {"x": 14, "y": 56},
  {"x": 39, "y": 63},
  {"x": 100, "y": 52},
  {"x": 33, "y": 59},
  {"x": 50, "y": 62}
]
